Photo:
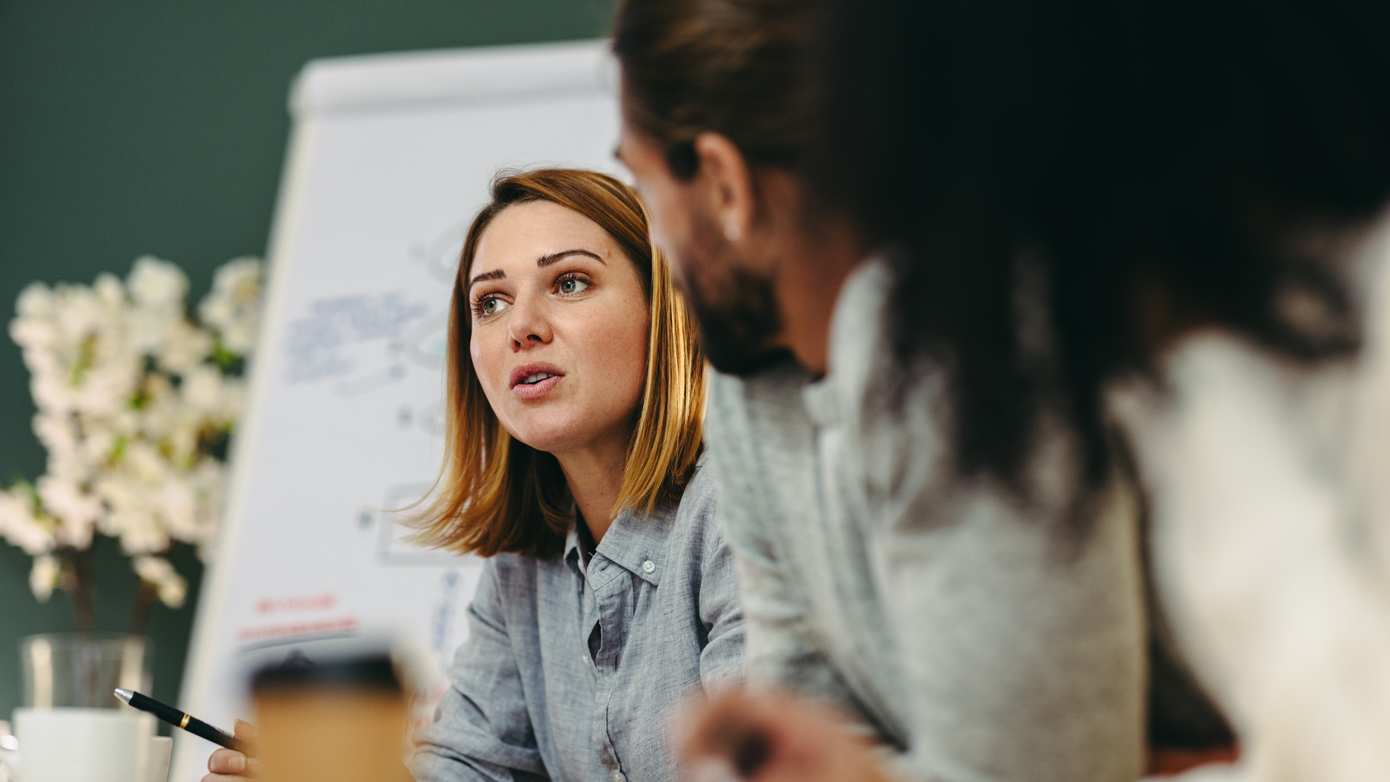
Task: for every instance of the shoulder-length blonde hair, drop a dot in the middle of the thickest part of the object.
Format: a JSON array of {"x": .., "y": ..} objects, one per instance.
[{"x": 495, "y": 494}]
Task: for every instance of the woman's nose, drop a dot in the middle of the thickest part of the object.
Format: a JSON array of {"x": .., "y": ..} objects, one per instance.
[{"x": 527, "y": 326}]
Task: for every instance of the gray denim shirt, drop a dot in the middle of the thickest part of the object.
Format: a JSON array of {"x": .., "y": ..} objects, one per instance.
[{"x": 571, "y": 669}]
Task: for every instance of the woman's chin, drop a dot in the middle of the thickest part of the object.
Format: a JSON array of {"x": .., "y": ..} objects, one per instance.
[
  {"x": 571, "y": 428},
  {"x": 550, "y": 439}
]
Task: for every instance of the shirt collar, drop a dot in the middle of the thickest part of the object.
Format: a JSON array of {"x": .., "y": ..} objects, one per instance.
[
  {"x": 856, "y": 320},
  {"x": 636, "y": 542},
  {"x": 573, "y": 554}
]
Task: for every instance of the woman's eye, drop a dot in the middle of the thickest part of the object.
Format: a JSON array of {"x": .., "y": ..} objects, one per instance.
[
  {"x": 488, "y": 306},
  {"x": 571, "y": 284}
]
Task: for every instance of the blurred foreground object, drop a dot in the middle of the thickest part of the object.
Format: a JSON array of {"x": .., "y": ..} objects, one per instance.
[
  {"x": 1271, "y": 515},
  {"x": 339, "y": 719}
]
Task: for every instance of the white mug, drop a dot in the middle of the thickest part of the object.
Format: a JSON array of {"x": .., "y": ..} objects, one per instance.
[
  {"x": 157, "y": 765},
  {"x": 85, "y": 745}
]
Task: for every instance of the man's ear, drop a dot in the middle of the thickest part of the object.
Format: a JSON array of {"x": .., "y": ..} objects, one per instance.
[{"x": 728, "y": 184}]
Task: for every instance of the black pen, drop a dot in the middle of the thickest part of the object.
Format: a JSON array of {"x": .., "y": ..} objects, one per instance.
[{"x": 179, "y": 719}]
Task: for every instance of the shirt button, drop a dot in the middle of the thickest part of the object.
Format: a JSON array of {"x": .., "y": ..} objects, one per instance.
[
  {"x": 618, "y": 777},
  {"x": 649, "y": 567}
]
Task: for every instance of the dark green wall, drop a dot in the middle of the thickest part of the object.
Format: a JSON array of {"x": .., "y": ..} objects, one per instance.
[{"x": 146, "y": 127}]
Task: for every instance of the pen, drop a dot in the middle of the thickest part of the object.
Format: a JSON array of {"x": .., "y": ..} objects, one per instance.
[{"x": 179, "y": 719}]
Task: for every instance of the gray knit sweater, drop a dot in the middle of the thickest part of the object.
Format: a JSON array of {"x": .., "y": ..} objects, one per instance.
[{"x": 960, "y": 628}]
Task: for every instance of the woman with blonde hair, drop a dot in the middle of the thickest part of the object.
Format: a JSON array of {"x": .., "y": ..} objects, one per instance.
[{"x": 575, "y": 398}]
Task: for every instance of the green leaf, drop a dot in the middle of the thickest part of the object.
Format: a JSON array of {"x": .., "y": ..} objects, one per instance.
[
  {"x": 86, "y": 356},
  {"x": 118, "y": 450}
]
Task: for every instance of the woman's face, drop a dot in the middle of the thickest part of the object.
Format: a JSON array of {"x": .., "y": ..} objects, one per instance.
[{"x": 559, "y": 329}]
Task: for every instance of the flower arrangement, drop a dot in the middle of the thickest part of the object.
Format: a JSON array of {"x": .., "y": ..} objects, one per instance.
[{"x": 136, "y": 397}]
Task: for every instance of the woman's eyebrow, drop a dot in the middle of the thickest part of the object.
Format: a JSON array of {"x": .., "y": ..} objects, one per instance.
[
  {"x": 542, "y": 262},
  {"x": 546, "y": 260},
  {"x": 495, "y": 274}
]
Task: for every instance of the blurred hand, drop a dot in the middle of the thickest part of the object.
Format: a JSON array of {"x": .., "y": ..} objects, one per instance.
[
  {"x": 739, "y": 735},
  {"x": 226, "y": 765}
]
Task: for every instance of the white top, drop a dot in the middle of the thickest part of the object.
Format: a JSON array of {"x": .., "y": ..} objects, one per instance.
[{"x": 1268, "y": 484}]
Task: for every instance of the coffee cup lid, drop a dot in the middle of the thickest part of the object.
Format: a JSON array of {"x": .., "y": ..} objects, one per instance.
[{"x": 372, "y": 670}]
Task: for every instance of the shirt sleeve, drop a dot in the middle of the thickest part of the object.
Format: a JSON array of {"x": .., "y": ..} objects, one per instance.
[
  {"x": 721, "y": 612},
  {"x": 780, "y": 648},
  {"x": 482, "y": 731}
]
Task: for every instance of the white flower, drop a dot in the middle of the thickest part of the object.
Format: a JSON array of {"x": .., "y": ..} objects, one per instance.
[
  {"x": 81, "y": 312},
  {"x": 56, "y": 432},
  {"x": 43, "y": 577},
  {"x": 108, "y": 388},
  {"x": 98, "y": 443},
  {"x": 21, "y": 526},
  {"x": 125, "y": 423},
  {"x": 143, "y": 462},
  {"x": 239, "y": 280},
  {"x": 35, "y": 301},
  {"x": 160, "y": 410},
  {"x": 53, "y": 395},
  {"x": 149, "y": 327},
  {"x": 233, "y": 306},
  {"x": 157, "y": 291},
  {"x": 172, "y": 592},
  {"x": 76, "y": 346},
  {"x": 216, "y": 309},
  {"x": 157, "y": 283},
  {"x": 33, "y": 333},
  {"x": 139, "y": 531},
  {"x": 240, "y": 335},
  {"x": 120, "y": 493},
  {"x": 233, "y": 399},
  {"x": 71, "y": 465},
  {"x": 177, "y": 501},
  {"x": 185, "y": 346},
  {"x": 152, "y": 569},
  {"x": 169, "y": 585},
  {"x": 76, "y": 511},
  {"x": 110, "y": 290},
  {"x": 205, "y": 392},
  {"x": 182, "y": 440},
  {"x": 210, "y": 483}
]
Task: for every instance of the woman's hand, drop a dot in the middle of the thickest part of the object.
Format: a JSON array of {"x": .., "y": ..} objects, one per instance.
[
  {"x": 226, "y": 765},
  {"x": 772, "y": 738}
]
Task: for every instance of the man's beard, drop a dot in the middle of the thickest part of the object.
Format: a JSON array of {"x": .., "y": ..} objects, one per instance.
[{"x": 737, "y": 327}]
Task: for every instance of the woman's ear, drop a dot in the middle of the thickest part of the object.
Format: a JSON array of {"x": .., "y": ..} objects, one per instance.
[{"x": 727, "y": 183}]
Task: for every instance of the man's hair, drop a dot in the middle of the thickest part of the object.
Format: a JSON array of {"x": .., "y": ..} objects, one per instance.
[{"x": 733, "y": 67}]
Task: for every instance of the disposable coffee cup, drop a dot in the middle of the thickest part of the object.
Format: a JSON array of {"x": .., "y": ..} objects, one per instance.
[{"x": 335, "y": 719}]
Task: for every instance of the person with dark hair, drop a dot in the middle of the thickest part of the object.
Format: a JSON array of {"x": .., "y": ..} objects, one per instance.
[
  {"x": 1156, "y": 232},
  {"x": 967, "y": 630}
]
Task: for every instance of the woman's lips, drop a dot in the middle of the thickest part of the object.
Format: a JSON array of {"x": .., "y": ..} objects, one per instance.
[
  {"x": 530, "y": 391},
  {"x": 532, "y": 371},
  {"x": 533, "y": 381}
]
